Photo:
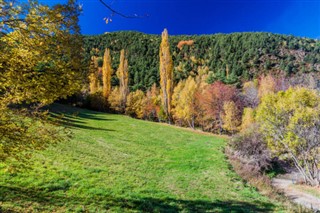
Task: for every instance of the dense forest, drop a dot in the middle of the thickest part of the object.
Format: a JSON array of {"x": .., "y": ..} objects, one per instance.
[{"x": 230, "y": 58}]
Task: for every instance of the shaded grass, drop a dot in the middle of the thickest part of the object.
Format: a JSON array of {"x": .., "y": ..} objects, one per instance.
[{"x": 118, "y": 164}]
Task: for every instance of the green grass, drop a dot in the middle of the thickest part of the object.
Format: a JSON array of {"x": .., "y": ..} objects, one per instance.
[{"x": 118, "y": 164}]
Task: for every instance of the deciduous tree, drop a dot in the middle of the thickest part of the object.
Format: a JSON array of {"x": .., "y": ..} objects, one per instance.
[
  {"x": 267, "y": 85},
  {"x": 152, "y": 103},
  {"x": 250, "y": 93},
  {"x": 290, "y": 121},
  {"x": 247, "y": 118},
  {"x": 106, "y": 74},
  {"x": 136, "y": 104},
  {"x": 93, "y": 76},
  {"x": 40, "y": 62},
  {"x": 183, "y": 101},
  {"x": 212, "y": 99},
  {"x": 114, "y": 99},
  {"x": 230, "y": 117},
  {"x": 166, "y": 74},
  {"x": 122, "y": 74}
]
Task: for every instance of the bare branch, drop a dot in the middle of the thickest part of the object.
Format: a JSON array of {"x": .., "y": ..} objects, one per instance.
[{"x": 119, "y": 13}]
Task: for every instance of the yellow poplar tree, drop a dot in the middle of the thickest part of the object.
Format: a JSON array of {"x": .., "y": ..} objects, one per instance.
[
  {"x": 166, "y": 74},
  {"x": 106, "y": 74},
  {"x": 93, "y": 76},
  {"x": 247, "y": 118},
  {"x": 183, "y": 101},
  {"x": 123, "y": 75},
  {"x": 230, "y": 117},
  {"x": 176, "y": 98}
]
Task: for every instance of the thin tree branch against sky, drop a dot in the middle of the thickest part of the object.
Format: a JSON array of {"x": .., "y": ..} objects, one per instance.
[
  {"x": 291, "y": 17},
  {"x": 115, "y": 12}
]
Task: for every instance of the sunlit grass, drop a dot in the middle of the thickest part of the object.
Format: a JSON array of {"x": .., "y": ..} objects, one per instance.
[{"x": 115, "y": 163}]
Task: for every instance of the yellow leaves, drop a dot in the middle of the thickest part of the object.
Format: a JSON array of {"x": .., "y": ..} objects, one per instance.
[
  {"x": 284, "y": 114},
  {"x": 247, "y": 118},
  {"x": 230, "y": 118},
  {"x": 106, "y": 73},
  {"x": 166, "y": 73},
  {"x": 59, "y": 15},
  {"x": 107, "y": 20},
  {"x": 136, "y": 104},
  {"x": 183, "y": 100},
  {"x": 123, "y": 76},
  {"x": 114, "y": 99}
]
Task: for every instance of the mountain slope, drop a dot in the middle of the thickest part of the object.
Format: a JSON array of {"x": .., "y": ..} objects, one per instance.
[{"x": 230, "y": 58}]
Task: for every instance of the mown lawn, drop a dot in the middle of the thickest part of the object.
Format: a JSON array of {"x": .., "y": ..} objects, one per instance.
[{"x": 118, "y": 164}]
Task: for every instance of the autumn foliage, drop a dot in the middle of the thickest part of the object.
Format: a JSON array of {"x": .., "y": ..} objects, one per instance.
[
  {"x": 183, "y": 43},
  {"x": 106, "y": 74},
  {"x": 166, "y": 74},
  {"x": 213, "y": 99}
]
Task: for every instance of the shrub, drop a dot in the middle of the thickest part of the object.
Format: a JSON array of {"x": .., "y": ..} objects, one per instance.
[{"x": 251, "y": 149}]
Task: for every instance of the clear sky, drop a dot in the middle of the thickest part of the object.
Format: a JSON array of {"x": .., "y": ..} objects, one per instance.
[{"x": 295, "y": 17}]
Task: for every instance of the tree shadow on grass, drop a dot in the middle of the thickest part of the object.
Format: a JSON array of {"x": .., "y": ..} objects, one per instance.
[
  {"x": 71, "y": 117},
  {"x": 74, "y": 112},
  {"x": 145, "y": 204},
  {"x": 74, "y": 123}
]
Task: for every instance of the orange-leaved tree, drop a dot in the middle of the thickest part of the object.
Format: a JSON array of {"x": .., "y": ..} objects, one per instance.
[{"x": 213, "y": 98}]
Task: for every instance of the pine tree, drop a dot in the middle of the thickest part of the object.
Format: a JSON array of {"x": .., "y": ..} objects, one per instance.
[
  {"x": 106, "y": 74},
  {"x": 122, "y": 74},
  {"x": 166, "y": 74}
]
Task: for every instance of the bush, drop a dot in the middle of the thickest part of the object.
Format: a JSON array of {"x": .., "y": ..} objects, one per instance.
[
  {"x": 251, "y": 149},
  {"x": 96, "y": 101}
]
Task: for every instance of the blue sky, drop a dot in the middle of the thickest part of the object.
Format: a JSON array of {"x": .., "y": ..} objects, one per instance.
[{"x": 294, "y": 17}]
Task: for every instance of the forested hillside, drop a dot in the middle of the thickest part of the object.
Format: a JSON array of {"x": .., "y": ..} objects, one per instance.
[{"x": 230, "y": 58}]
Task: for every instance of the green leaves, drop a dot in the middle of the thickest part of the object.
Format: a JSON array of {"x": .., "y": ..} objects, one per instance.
[{"x": 290, "y": 121}]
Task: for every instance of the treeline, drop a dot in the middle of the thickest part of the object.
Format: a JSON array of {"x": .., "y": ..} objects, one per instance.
[
  {"x": 229, "y": 58},
  {"x": 194, "y": 101}
]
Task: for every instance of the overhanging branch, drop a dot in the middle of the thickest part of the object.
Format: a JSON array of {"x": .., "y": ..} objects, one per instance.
[{"x": 119, "y": 13}]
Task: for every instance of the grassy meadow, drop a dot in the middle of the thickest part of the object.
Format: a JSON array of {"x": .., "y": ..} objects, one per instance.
[{"x": 115, "y": 163}]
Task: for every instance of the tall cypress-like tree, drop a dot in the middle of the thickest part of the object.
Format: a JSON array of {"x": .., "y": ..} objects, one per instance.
[
  {"x": 93, "y": 76},
  {"x": 106, "y": 74},
  {"x": 123, "y": 75},
  {"x": 166, "y": 74}
]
